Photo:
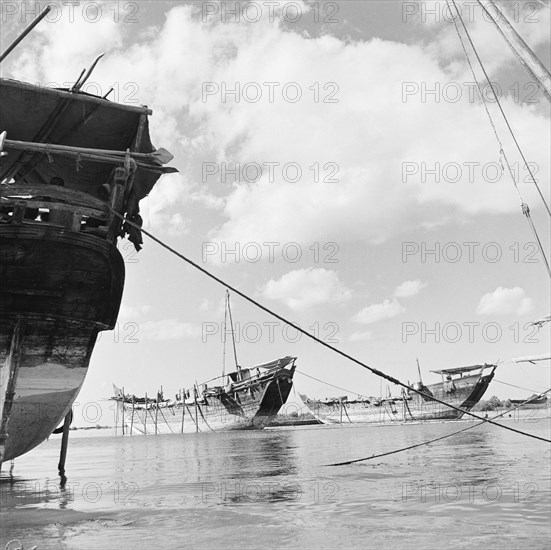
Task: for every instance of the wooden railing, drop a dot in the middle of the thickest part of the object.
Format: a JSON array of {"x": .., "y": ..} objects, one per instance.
[{"x": 69, "y": 208}]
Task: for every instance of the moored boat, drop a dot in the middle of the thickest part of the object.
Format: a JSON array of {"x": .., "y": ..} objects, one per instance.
[
  {"x": 461, "y": 387},
  {"x": 248, "y": 398},
  {"x": 72, "y": 164}
]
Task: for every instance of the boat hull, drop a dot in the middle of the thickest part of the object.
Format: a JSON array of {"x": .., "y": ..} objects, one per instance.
[
  {"x": 464, "y": 394},
  {"x": 250, "y": 408},
  {"x": 58, "y": 290}
]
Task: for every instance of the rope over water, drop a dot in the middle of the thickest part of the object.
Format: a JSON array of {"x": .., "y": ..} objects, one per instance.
[
  {"x": 306, "y": 333},
  {"x": 437, "y": 438}
]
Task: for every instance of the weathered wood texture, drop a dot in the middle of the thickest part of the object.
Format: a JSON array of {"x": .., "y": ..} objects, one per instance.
[
  {"x": 66, "y": 286},
  {"x": 249, "y": 408},
  {"x": 53, "y": 273}
]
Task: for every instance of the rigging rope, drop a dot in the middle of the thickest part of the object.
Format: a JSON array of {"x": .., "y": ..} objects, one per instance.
[
  {"x": 494, "y": 94},
  {"x": 524, "y": 206},
  {"x": 436, "y": 439},
  {"x": 305, "y": 332},
  {"x": 332, "y": 385},
  {"x": 513, "y": 386}
]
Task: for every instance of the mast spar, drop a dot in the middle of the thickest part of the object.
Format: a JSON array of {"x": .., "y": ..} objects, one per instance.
[
  {"x": 525, "y": 55},
  {"x": 232, "y": 330}
]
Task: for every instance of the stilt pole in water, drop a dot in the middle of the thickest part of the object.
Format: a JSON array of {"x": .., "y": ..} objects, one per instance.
[
  {"x": 64, "y": 443},
  {"x": 117, "y": 417},
  {"x": 156, "y": 411},
  {"x": 183, "y": 410},
  {"x": 132, "y": 417},
  {"x": 145, "y": 417},
  {"x": 195, "y": 401},
  {"x": 122, "y": 410}
]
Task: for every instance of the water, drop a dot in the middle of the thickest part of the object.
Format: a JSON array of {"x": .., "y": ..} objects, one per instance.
[{"x": 484, "y": 488}]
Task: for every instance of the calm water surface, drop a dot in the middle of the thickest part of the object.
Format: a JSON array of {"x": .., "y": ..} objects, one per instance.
[{"x": 484, "y": 488}]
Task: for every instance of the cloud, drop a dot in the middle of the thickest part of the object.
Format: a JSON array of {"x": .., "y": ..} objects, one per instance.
[
  {"x": 365, "y": 165},
  {"x": 409, "y": 288},
  {"x": 305, "y": 288},
  {"x": 377, "y": 312},
  {"x": 132, "y": 312},
  {"x": 366, "y": 336},
  {"x": 168, "y": 329},
  {"x": 505, "y": 301}
]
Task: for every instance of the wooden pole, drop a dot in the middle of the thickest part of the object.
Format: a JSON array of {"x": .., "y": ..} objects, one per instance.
[
  {"x": 122, "y": 412},
  {"x": 15, "y": 43},
  {"x": 145, "y": 417},
  {"x": 156, "y": 411},
  {"x": 183, "y": 410},
  {"x": 117, "y": 417},
  {"x": 161, "y": 155},
  {"x": 132, "y": 417},
  {"x": 525, "y": 55},
  {"x": 64, "y": 443},
  {"x": 195, "y": 401}
]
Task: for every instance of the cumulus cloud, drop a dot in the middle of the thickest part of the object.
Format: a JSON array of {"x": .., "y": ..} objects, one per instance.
[
  {"x": 377, "y": 312},
  {"x": 305, "y": 288},
  {"x": 168, "y": 329},
  {"x": 133, "y": 312},
  {"x": 505, "y": 301},
  {"x": 409, "y": 288},
  {"x": 366, "y": 336},
  {"x": 365, "y": 151}
]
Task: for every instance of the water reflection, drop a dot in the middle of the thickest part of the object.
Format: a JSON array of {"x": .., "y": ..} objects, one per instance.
[{"x": 479, "y": 486}]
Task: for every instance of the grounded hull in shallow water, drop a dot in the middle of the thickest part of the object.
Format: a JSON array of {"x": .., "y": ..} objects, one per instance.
[
  {"x": 464, "y": 392},
  {"x": 58, "y": 289},
  {"x": 251, "y": 406},
  {"x": 72, "y": 165}
]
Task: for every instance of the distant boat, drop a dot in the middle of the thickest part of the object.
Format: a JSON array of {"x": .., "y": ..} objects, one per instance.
[
  {"x": 535, "y": 400},
  {"x": 248, "y": 398},
  {"x": 458, "y": 388}
]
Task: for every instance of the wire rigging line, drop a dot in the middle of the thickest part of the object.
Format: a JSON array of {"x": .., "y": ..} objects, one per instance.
[
  {"x": 329, "y": 384},
  {"x": 367, "y": 397},
  {"x": 498, "y": 102},
  {"x": 524, "y": 206},
  {"x": 437, "y": 438},
  {"x": 305, "y": 332}
]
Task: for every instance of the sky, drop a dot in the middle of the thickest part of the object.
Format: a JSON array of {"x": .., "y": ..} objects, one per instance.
[{"x": 337, "y": 165}]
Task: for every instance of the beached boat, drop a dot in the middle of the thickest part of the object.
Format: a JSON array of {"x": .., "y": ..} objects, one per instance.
[
  {"x": 248, "y": 398},
  {"x": 72, "y": 164},
  {"x": 461, "y": 387},
  {"x": 535, "y": 401}
]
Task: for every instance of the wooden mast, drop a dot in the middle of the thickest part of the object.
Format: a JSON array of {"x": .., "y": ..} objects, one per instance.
[
  {"x": 232, "y": 330},
  {"x": 525, "y": 55},
  {"x": 16, "y": 42}
]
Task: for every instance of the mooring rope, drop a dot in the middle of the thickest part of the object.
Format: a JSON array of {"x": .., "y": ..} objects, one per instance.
[
  {"x": 306, "y": 333},
  {"x": 435, "y": 439}
]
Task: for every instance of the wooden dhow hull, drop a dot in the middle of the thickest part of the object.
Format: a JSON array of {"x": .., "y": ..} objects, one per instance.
[
  {"x": 72, "y": 165},
  {"x": 250, "y": 407},
  {"x": 464, "y": 393},
  {"x": 58, "y": 289}
]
